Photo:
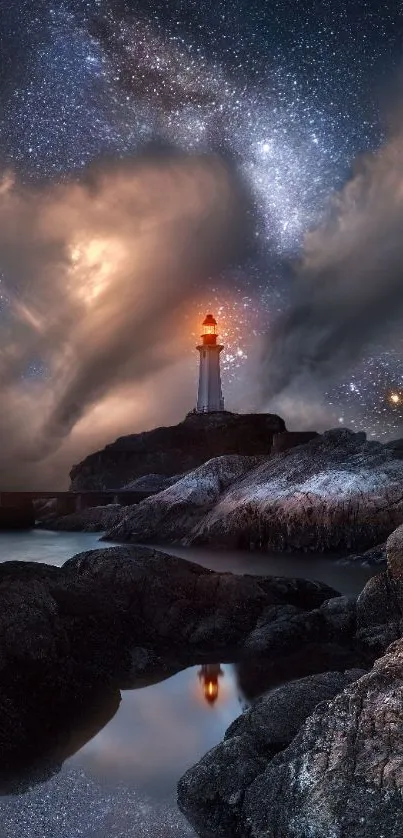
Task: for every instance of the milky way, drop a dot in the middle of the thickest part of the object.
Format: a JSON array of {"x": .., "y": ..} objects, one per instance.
[{"x": 291, "y": 94}]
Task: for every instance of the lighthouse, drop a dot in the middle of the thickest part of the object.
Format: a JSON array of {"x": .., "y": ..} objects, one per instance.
[{"x": 210, "y": 398}]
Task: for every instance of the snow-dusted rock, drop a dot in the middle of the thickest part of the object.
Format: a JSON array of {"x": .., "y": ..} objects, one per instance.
[
  {"x": 338, "y": 491},
  {"x": 171, "y": 514}
]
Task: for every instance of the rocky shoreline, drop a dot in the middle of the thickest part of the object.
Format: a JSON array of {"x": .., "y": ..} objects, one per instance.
[
  {"x": 318, "y": 754},
  {"x": 336, "y": 492}
]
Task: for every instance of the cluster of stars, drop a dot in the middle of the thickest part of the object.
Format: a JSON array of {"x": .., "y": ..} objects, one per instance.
[{"x": 376, "y": 391}]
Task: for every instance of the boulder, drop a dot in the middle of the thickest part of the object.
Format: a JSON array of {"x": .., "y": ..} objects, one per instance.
[
  {"x": 336, "y": 492},
  {"x": 167, "y": 600},
  {"x": 170, "y": 515},
  {"x": 380, "y": 604},
  {"x": 342, "y": 775},
  {"x": 374, "y": 557},
  {"x": 212, "y": 793},
  {"x": 176, "y": 449}
]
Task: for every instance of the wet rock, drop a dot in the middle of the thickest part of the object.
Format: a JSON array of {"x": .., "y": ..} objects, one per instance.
[
  {"x": 374, "y": 557},
  {"x": 212, "y": 793}
]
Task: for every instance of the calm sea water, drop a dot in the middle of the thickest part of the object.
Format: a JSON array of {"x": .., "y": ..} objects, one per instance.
[{"x": 122, "y": 783}]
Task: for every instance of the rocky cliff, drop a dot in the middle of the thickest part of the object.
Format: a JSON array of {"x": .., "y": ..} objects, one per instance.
[
  {"x": 177, "y": 449},
  {"x": 337, "y": 491},
  {"x": 170, "y": 515}
]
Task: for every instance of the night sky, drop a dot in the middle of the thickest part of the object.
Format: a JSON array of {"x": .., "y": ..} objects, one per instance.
[{"x": 292, "y": 92}]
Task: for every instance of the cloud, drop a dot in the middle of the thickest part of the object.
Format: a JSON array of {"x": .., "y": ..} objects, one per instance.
[
  {"x": 94, "y": 271},
  {"x": 348, "y": 287}
]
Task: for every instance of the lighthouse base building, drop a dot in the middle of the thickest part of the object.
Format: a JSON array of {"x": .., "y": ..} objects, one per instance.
[{"x": 210, "y": 397}]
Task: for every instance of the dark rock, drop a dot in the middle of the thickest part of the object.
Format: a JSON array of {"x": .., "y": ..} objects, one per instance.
[
  {"x": 375, "y": 556},
  {"x": 395, "y": 445},
  {"x": 72, "y": 636},
  {"x": 380, "y": 604},
  {"x": 152, "y": 483},
  {"x": 16, "y": 518},
  {"x": 170, "y": 515},
  {"x": 343, "y": 773},
  {"x": 168, "y": 451},
  {"x": 340, "y": 618},
  {"x": 212, "y": 793},
  {"x": 169, "y": 600},
  {"x": 394, "y": 556},
  {"x": 290, "y": 439}
]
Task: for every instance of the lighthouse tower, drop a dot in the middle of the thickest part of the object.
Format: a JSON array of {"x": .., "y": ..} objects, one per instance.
[{"x": 210, "y": 398}]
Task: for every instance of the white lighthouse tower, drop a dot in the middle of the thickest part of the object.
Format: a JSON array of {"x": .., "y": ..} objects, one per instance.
[{"x": 210, "y": 398}]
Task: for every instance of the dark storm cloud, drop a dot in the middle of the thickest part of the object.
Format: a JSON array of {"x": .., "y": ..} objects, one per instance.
[
  {"x": 348, "y": 289},
  {"x": 96, "y": 270}
]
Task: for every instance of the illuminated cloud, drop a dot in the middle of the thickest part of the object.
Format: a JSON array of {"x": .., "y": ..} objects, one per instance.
[{"x": 95, "y": 271}]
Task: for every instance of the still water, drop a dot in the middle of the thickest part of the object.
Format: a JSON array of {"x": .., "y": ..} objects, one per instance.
[{"x": 122, "y": 783}]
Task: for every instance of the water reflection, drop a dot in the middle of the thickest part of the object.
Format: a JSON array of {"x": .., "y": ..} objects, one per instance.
[{"x": 209, "y": 675}]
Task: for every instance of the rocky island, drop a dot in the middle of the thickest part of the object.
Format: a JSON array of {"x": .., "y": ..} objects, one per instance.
[{"x": 246, "y": 482}]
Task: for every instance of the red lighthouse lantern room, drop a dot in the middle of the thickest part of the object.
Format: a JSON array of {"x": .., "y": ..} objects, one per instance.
[{"x": 209, "y": 336}]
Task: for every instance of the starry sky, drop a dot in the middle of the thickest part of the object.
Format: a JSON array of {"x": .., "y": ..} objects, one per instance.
[{"x": 292, "y": 93}]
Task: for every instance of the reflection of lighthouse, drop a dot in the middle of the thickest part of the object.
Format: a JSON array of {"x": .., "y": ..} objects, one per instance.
[
  {"x": 210, "y": 398},
  {"x": 209, "y": 675}
]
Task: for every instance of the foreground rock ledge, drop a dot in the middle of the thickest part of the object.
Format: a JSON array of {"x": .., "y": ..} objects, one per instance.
[
  {"x": 342, "y": 774},
  {"x": 71, "y": 637},
  {"x": 341, "y": 777}
]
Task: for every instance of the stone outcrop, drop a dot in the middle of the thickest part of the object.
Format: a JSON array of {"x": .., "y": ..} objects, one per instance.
[
  {"x": 342, "y": 775},
  {"x": 177, "y": 449},
  {"x": 380, "y": 605},
  {"x": 336, "y": 492},
  {"x": 169, "y": 516},
  {"x": 322, "y": 756},
  {"x": 212, "y": 794}
]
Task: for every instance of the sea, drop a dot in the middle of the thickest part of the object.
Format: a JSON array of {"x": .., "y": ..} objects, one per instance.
[{"x": 122, "y": 782}]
